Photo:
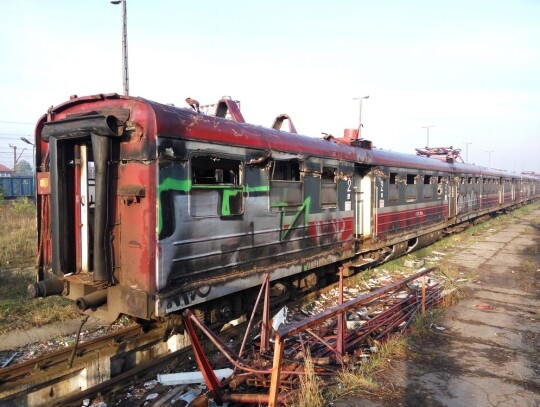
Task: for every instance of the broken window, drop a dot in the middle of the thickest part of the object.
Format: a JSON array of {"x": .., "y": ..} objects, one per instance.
[
  {"x": 440, "y": 186},
  {"x": 393, "y": 191},
  {"x": 411, "y": 191},
  {"x": 285, "y": 184},
  {"x": 216, "y": 186},
  {"x": 328, "y": 187},
  {"x": 428, "y": 188}
]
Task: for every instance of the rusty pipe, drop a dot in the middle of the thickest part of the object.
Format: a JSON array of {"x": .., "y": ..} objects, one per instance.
[
  {"x": 93, "y": 300},
  {"x": 45, "y": 288}
]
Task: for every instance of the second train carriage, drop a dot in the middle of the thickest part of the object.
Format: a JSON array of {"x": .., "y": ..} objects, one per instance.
[{"x": 146, "y": 209}]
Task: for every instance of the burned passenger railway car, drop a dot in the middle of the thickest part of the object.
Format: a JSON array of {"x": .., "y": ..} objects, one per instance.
[{"x": 146, "y": 209}]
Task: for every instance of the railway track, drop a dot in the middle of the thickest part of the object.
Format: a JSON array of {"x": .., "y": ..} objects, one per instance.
[{"x": 54, "y": 376}]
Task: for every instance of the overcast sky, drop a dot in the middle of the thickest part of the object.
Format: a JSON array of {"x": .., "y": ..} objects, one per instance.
[{"x": 470, "y": 68}]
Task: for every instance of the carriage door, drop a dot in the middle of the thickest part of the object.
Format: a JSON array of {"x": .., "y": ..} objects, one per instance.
[
  {"x": 85, "y": 185},
  {"x": 452, "y": 196},
  {"x": 363, "y": 213}
]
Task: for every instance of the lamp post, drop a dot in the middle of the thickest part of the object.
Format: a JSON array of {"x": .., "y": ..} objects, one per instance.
[
  {"x": 427, "y": 128},
  {"x": 125, "y": 75},
  {"x": 489, "y": 157},
  {"x": 33, "y": 150},
  {"x": 360, "y": 98},
  {"x": 467, "y": 151}
]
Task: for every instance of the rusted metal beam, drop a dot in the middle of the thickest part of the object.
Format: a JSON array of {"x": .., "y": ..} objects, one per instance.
[
  {"x": 292, "y": 329},
  {"x": 202, "y": 361},
  {"x": 248, "y": 398},
  {"x": 265, "y": 324},
  {"x": 276, "y": 372},
  {"x": 331, "y": 339},
  {"x": 250, "y": 323},
  {"x": 341, "y": 325}
]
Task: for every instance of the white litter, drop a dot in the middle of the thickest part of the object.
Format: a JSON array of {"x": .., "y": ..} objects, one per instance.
[
  {"x": 279, "y": 318},
  {"x": 173, "y": 379},
  {"x": 152, "y": 396},
  {"x": 150, "y": 384}
]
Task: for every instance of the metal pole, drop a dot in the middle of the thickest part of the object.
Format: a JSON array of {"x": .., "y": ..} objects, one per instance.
[
  {"x": 125, "y": 75},
  {"x": 424, "y": 294},
  {"x": 360, "y": 113},
  {"x": 467, "y": 151},
  {"x": 427, "y": 128},
  {"x": 34, "y": 169},
  {"x": 489, "y": 157},
  {"x": 14, "y": 156},
  {"x": 124, "y": 48}
]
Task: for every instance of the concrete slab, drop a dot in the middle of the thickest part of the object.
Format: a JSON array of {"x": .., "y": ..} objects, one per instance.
[{"x": 16, "y": 339}]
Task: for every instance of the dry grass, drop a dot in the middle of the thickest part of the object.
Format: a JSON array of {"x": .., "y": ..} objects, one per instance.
[
  {"x": 17, "y": 256},
  {"x": 18, "y": 234},
  {"x": 309, "y": 393},
  {"x": 19, "y": 312},
  {"x": 368, "y": 379}
]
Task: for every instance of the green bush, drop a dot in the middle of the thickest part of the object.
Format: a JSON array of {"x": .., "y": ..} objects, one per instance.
[{"x": 23, "y": 206}]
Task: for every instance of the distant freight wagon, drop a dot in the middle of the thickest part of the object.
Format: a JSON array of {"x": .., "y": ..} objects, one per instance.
[{"x": 17, "y": 187}]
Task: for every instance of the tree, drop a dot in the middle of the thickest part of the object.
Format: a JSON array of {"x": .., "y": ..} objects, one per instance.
[{"x": 23, "y": 167}]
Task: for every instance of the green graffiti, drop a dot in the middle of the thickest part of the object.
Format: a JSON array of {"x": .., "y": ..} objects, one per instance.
[
  {"x": 225, "y": 201},
  {"x": 305, "y": 209},
  {"x": 170, "y": 184},
  {"x": 228, "y": 192}
]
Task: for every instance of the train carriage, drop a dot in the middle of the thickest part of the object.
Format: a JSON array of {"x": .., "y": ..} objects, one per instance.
[{"x": 146, "y": 209}]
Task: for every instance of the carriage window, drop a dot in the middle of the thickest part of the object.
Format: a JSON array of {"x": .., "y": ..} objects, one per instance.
[
  {"x": 393, "y": 178},
  {"x": 328, "y": 187},
  {"x": 428, "y": 189},
  {"x": 285, "y": 184},
  {"x": 411, "y": 190},
  {"x": 440, "y": 186},
  {"x": 216, "y": 186}
]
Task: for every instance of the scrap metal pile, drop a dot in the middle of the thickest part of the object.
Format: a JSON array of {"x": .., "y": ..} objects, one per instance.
[{"x": 337, "y": 330}]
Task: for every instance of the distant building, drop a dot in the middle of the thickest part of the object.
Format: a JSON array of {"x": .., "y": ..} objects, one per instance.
[{"x": 5, "y": 172}]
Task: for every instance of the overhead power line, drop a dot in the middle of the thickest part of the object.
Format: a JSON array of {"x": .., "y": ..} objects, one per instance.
[{"x": 3, "y": 121}]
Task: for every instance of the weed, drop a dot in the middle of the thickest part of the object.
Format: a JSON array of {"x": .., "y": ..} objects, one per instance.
[
  {"x": 17, "y": 254},
  {"x": 530, "y": 266},
  {"x": 18, "y": 237},
  {"x": 366, "y": 380},
  {"x": 309, "y": 393},
  {"x": 19, "y": 312},
  {"x": 23, "y": 206}
]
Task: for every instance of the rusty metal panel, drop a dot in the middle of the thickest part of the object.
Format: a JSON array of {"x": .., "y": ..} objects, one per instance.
[
  {"x": 122, "y": 299},
  {"x": 137, "y": 229}
]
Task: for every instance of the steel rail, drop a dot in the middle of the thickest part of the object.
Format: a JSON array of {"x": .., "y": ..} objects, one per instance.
[{"x": 47, "y": 361}]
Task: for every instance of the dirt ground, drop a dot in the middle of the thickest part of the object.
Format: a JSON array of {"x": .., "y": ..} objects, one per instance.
[{"x": 489, "y": 351}]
